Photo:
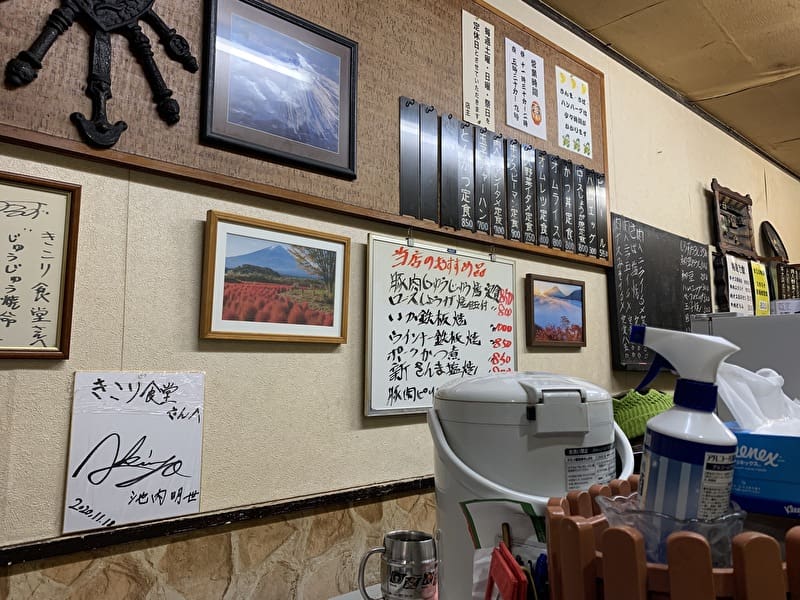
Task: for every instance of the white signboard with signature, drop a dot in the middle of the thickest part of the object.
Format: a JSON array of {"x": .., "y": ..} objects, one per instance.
[{"x": 135, "y": 448}]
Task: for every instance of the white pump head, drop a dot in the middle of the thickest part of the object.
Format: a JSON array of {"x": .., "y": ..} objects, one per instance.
[{"x": 694, "y": 356}]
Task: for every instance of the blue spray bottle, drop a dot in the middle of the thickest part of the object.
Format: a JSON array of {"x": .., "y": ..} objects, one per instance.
[{"x": 687, "y": 466}]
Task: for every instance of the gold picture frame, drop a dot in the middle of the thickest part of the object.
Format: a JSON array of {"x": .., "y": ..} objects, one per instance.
[
  {"x": 38, "y": 245},
  {"x": 273, "y": 282}
]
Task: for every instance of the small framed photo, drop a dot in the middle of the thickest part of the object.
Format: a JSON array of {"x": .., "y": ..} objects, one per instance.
[
  {"x": 269, "y": 281},
  {"x": 279, "y": 86},
  {"x": 555, "y": 313},
  {"x": 38, "y": 244}
]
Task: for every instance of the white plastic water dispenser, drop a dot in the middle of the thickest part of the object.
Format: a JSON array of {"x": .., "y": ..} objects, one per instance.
[{"x": 521, "y": 437}]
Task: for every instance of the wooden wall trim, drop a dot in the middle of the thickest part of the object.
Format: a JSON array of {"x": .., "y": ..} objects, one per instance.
[{"x": 93, "y": 540}]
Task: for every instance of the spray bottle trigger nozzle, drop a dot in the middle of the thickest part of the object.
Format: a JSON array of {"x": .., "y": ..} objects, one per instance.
[{"x": 659, "y": 362}]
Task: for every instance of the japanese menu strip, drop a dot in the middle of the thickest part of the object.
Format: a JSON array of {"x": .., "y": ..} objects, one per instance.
[{"x": 434, "y": 314}]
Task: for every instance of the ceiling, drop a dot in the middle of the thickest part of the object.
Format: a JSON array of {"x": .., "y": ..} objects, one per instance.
[{"x": 737, "y": 60}]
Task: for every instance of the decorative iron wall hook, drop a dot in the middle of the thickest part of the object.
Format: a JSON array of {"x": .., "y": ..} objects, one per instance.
[{"x": 103, "y": 17}]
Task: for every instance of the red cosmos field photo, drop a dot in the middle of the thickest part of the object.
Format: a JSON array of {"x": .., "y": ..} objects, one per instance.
[{"x": 270, "y": 282}]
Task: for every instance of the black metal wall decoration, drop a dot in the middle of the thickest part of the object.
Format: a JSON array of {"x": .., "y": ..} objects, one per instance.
[{"x": 103, "y": 17}]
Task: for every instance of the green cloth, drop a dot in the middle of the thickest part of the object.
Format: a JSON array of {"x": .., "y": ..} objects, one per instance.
[{"x": 633, "y": 410}]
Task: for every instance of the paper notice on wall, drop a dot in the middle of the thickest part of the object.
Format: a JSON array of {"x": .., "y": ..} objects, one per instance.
[
  {"x": 525, "y": 105},
  {"x": 135, "y": 448},
  {"x": 760, "y": 288},
  {"x": 740, "y": 292},
  {"x": 477, "y": 58},
  {"x": 574, "y": 116}
]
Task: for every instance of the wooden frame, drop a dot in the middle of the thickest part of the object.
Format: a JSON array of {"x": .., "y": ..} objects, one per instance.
[
  {"x": 291, "y": 296},
  {"x": 552, "y": 306},
  {"x": 38, "y": 245},
  {"x": 733, "y": 221},
  {"x": 254, "y": 48}
]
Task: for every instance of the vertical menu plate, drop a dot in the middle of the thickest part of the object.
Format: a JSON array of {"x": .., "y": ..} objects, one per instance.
[
  {"x": 409, "y": 157},
  {"x": 483, "y": 184},
  {"x": 529, "y": 221},
  {"x": 556, "y": 206},
  {"x": 568, "y": 200},
  {"x": 429, "y": 163},
  {"x": 466, "y": 176},
  {"x": 450, "y": 203},
  {"x": 497, "y": 178},
  {"x": 591, "y": 213},
  {"x": 602, "y": 217},
  {"x": 514, "y": 190},
  {"x": 543, "y": 196},
  {"x": 582, "y": 246}
]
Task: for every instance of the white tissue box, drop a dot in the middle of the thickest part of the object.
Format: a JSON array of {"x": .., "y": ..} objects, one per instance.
[{"x": 764, "y": 478}]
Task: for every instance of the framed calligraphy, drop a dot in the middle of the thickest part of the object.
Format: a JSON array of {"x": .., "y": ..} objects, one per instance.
[
  {"x": 270, "y": 281},
  {"x": 279, "y": 86},
  {"x": 555, "y": 314},
  {"x": 38, "y": 244}
]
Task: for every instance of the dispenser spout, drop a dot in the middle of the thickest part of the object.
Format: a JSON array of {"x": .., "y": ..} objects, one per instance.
[{"x": 693, "y": 356}]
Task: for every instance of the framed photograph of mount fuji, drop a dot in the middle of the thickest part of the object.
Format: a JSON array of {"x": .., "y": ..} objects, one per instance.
[
  {"x": 270, "y": 281},
  {"x": 279, "y": 86},
  {"x": 555, "y": 314}
]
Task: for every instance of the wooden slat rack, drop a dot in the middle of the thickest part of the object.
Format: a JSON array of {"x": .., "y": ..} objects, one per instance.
[{"x": 589, "y": 560}]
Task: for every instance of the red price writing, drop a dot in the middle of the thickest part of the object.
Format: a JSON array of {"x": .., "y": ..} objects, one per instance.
[
  {"x": 497, "y": 369},
  {"x": 501, "y": 343},
  {"x": 501, "y": 327},
  {"x": 500, "y": 358},
  {"x": 503, "y": 311},
  {"x": 505, "y": 297}
]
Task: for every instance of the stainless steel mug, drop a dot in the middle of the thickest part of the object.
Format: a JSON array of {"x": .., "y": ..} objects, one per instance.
[{"x": 409, "y": 566}]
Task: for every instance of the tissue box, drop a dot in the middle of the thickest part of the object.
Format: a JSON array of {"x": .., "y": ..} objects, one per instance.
[{"x": 765, "y": 475}]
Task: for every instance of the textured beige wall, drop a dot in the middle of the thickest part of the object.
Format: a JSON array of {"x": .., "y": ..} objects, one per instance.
[{"x": 285, "y": 420}]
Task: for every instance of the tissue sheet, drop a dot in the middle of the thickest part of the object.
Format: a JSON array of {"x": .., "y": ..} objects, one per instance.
[{"x": 756, "y": 400}]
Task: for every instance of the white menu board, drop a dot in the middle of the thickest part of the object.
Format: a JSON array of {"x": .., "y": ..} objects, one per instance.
[
  {"x": 433, "y": 314},
  {"x": 135, "y": 448}
]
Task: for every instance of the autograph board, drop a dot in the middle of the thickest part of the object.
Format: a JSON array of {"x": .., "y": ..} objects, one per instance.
[{"x": 135, "y": 448}]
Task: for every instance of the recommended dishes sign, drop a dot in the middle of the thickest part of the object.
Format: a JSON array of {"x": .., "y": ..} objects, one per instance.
[
  {"x": 434, "y": 314},
  {"x": 135, "y": 448}
]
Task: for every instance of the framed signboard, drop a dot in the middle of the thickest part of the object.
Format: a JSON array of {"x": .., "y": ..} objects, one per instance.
[
  {"x": 433, "y": 314},
  {"x": 38, "y": 242}
]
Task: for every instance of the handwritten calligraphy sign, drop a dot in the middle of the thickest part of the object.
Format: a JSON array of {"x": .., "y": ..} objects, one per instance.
[
  {"x": 135, "y": 448},
  {"x": 38, "y": 231},
  {"x": 525, "y": 99},
  {"x": 434, "y": 314}
]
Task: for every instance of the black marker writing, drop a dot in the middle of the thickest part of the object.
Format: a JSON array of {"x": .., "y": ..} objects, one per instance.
[{"x": 167, "y": 467}]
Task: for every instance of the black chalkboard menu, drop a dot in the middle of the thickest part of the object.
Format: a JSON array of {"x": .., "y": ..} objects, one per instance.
[{"x": 659, "y": 279}]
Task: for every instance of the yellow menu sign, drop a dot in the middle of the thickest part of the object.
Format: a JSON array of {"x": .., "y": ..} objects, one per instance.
[{"x": 760, "y": 288}]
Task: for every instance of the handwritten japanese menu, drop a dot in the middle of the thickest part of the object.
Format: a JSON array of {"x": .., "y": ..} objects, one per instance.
[
  {"x": 434, "y": 314},
  {"x": 32, "y": 247},
  {"x": 135, "y": 448},
  {"x": 740, "y": 290}
]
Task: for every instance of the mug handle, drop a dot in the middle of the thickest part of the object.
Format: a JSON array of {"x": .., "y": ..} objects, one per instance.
[{"x": 362, "y": 567}]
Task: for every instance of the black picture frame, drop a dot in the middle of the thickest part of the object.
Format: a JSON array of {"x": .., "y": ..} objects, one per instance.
[{"x": 255, "y": 50}]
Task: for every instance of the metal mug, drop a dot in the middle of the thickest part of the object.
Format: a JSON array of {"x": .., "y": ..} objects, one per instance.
[{"x": 409, "y": 566}]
